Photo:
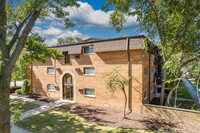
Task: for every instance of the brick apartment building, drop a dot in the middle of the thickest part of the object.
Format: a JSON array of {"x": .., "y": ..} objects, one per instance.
[{"x": 78, "y": 75}]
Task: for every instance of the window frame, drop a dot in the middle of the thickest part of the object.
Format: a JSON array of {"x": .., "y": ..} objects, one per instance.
[
  {"x": 48, "y": 70},
  {"x": 66, "y": 55},
  {"x": 145, "y": 91},
  {"x": 152, "y": 89},
  {"x": 88, "y": 74},
  {"x": 51, "y": 89},
  {"x": 89, "y": 94},
  {"x": 88, "y": 47},
  {"x": 152, "y": 70},
  {"x": 146, "y": 68}
]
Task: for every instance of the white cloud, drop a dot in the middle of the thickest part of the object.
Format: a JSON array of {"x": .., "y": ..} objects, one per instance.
[
  {"x": 85, "y": 16},
  {"x": 52, "y": 34}
]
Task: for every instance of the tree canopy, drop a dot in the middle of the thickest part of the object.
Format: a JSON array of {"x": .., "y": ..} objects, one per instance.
[{"x": 171, "y": 25}]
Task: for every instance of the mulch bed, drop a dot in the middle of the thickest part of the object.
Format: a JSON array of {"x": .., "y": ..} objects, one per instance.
[
  {"x": 113, "y": 118},
  {"x": 36, "y": 97}
]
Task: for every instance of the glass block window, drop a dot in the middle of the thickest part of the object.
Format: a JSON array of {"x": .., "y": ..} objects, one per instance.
[
  {"x": 89, "y": 71},
  {"x": 50, "y": 87},
  {"x": 50, "y": 70},
  {"x": 145, "y": 71},
  {"x": 88, "y": 49},
  {"x": 89, "y": 92}
]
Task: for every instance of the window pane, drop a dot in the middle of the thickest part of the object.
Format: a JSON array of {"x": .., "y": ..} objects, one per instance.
[
  {"x": 89, "y": 49},
  {"x": 92, "y": 92},
  {"x": 89, "y": 92},
  {"x": 89, "y": 70},
  {"x": 50, "y": 70},
  {"x": 51, "y": 87},
  {"x": 67, "y": 58}
]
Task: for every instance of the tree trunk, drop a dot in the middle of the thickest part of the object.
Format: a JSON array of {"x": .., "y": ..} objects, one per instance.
[
  {"x": 162, "y": 93},
  {"x": 15, "y": 83},
  {"x": 124, "y": 116},
  {"x": 4, "y": 103}
]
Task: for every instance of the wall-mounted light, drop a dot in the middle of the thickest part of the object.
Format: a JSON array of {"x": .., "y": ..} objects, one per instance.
[
  {"x": 142, "y": 55},
  {"x": 80, "y": 90}
]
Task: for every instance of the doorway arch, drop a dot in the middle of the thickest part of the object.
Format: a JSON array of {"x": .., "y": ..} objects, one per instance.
[{"x": 68, "y": 86}]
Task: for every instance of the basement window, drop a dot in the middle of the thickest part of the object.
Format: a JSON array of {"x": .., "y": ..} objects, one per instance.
[{"x": 89, "y": 92}]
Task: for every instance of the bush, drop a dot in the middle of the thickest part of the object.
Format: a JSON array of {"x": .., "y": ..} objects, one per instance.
[
  {"x": 25, "y": 89},
  {"x": 18, "y": 91}
]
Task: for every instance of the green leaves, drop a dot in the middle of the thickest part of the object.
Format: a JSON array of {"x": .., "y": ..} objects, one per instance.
[{"x": 114, "y": 79}]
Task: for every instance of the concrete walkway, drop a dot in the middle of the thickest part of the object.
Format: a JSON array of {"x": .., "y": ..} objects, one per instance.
[
  {"x": 192, "y": 92},
  {"x": 44, "y": 107}
]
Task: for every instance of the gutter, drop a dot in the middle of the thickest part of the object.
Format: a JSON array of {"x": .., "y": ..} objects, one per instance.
[{"x": 128, "y": 102}]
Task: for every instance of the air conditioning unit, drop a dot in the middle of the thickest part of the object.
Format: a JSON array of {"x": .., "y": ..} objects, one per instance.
[
  {"x": 80, "y": 90},
  {"x": 77, "y": 69},
  {"x": 58, "y": 69}
]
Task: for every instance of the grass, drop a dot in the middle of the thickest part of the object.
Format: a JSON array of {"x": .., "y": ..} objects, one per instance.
[
  {"x": 182, "y": 92},
  {"x": 179, "y": 104},
  {"x": 21, "y": 105},
  {"x": 185, "y": 104},
  {"x": 63, "y": 121},
  {"x": 194, "y": 83}
]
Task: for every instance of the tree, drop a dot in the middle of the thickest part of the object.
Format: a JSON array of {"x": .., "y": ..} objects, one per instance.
[
  {"x": 17, "y": 20},
  {"x": 168, "y": 24},
  {"x": 116, "y": 81},
  {"x": 35, "y": 50},
  {"x": 69, "y": 40}
]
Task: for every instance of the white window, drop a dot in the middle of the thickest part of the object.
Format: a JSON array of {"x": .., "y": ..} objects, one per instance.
[
  {"x": 50, "y": 87},
  {"x": 89, "y": 92},
  {"x": 145, "y": 94},
  {"x": 88, "y": 49},
  {"x": 50, "y": 70},
  {"x": 89, "y": 71},
  {"x": 145, "y": 71}
]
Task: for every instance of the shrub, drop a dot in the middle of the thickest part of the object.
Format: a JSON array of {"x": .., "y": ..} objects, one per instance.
[
  {"x": 25, "y": 89},
  {"x": 18, "y": 91}
]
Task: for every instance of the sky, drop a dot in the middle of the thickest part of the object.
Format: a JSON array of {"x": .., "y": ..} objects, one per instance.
[{"x": 90, "y": 21}]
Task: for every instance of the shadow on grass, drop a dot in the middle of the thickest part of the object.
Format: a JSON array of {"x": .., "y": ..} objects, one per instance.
[{"x": 21, "y": 105}]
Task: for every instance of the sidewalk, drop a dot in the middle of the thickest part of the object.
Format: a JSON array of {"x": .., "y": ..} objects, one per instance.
[
  {"x": 192, "y": 92},
  {"x": 44, "y": 107}
]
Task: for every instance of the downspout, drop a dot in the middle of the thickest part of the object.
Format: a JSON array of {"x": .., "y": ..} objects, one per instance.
[
  {"x": 31, "y": 77},
  {"x": 149, "y": 77},
  {"x": 128, "y": 102}
]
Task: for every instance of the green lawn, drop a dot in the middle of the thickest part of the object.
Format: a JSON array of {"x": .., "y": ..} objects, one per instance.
[
  {"x": 194, "y": 83},
  {"x": 63, "y": 121},
  {"x": 183, "y": 92},
  {"x": 21, "y": 105},
  {"x": 184, "y": 104}
]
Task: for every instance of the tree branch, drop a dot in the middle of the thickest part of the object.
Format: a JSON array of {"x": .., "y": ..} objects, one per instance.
[
  {"x": 3, "y": 23},
  {"x": 157, "y": 23},
  {"x": 22, "y": 39},
  {"x": 15, "y": 36},
  {"x": 188, "y": 61}
]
